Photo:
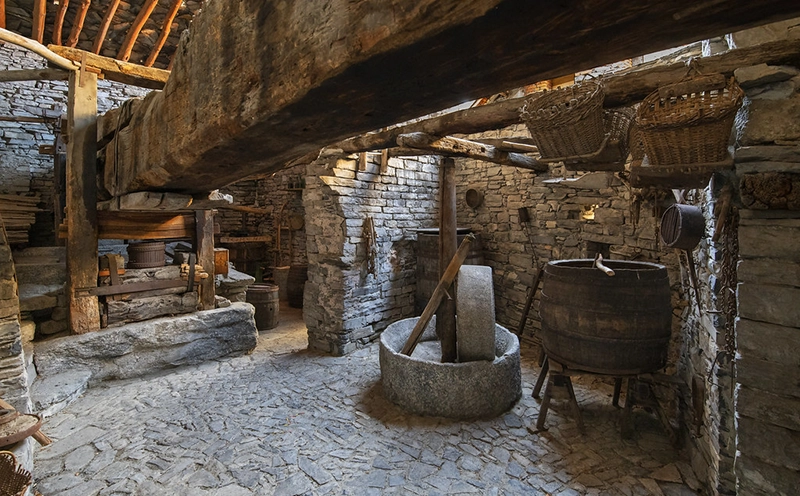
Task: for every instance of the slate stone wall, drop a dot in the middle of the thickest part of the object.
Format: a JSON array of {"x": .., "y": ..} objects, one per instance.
[
  {"x": 22, "y": 169},
  {"x": 359, "y": 284}
]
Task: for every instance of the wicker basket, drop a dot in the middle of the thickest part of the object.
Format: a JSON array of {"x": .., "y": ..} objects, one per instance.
[
  {"x": 566, "y": 122},
  {"x": 690, "y": 128},
  {"x": 14, "y": 480},
  {"x": 618, "y": 123}
]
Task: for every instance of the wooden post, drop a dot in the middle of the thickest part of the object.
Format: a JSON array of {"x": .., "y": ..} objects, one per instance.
[
  {"x": 101, "y": 33},
  {"x": 84, "y": 314},
  {"x": 204, "y": 246},
  {"x": 133, "y": 33},
  {"x": 166, "y": 27},
  {"x": 448, "y": 244},
  {"x": 3, "y": 14},
  {"x": 37, "y": 21},
  {"x": 59, "y": 23},
  {"x": 77, "y": 23}
]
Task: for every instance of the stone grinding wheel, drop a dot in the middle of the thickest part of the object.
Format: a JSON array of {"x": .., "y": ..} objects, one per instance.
[
  {"x": 18, "y": 429},
  {"x": 475, "y": 320}
]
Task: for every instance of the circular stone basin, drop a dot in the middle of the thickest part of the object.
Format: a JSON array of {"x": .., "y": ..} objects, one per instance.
[{"x": 469, "y": 390}]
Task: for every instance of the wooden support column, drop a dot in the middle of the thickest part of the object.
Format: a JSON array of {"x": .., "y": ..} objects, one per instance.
[
  {"x": 37, "y": 21},
  {"x": 204, "y": 246},
  {"x": 84, "y": 314},
  {"x": 448, "y": 244}
]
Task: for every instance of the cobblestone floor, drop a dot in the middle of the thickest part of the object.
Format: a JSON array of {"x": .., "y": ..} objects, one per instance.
[{"x": 287, "y": 421}]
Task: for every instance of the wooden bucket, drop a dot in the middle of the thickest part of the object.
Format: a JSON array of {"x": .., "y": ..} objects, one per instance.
[
  {"x": 146, "y": 254},
  {"x": 265, "y": 298}
]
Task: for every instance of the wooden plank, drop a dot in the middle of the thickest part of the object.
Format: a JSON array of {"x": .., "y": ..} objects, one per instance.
[
  {"x": 140, "y": 309},
  {"x": 166, "y": 27},
  {"x": 35, "y": 75},
  {"x": 132, "y": 287},
  {"x": 472, "y": 149},
  {"x": 448, "y": 244},
  {"x": 84, "y": 313},
  {"x": 133, "y": 33},
  {"x": 101, "y": 33},
  {"x": 77, "y": 23},
  {"x": 37, "y": 20},
  {"x": 59, "y": 22},
  {"x": 115, "y": 70},
  {"x": 204, "y": 246},
  {"x": 142, "y": 225}
]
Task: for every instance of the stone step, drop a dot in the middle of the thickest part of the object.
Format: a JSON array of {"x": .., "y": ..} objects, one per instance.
[
  {"x": 39, "y": 296},
  {"x": 54, "y": 253},
  {"x": 52, "y": 394},
  {"x": 38, "y": 271}
]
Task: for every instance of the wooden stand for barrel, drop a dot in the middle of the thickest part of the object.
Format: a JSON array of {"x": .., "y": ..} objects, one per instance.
[{"x": 265, "y": 298}]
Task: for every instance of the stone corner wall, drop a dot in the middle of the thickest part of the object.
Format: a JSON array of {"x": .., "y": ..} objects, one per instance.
[
  {"x": 361, "y": 246},
  {"x": 13, "y": 375}
]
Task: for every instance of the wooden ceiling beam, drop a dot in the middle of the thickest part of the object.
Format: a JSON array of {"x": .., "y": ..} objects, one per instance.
[
  {"x": 77, "y": 24},
  {"x": 2, "y": 14},
  {"x": 39, "y": 49},
  {"x": 37, "y": 21},
  {"x": 133, "y": 33},
  {"x": 471, "y": 149},
  {"x": 116, "y": 70},
  {"x": 58, "y": 25},
  {"x": 101, "y": 33},
  {"x": 166, "y": 27}
]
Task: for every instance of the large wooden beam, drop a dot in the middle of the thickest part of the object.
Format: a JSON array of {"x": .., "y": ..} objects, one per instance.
[
  {"x": 448, "y": 244},
  {"x": 77, "y": 23},
  {"x": 37, "y": 20},
  {"x": 100, "y": 37},
  {"x": 621, "y": 89},
  {"x": 133, "y": 33},
  {"x": 116, "y": 70},
  {"x": 166, "y": 27},
  {"x": 84, "y": 313},
  {"x": 472, "y": 149},
  {"x": 278, "y": 83},
  {"x": 34, "y": 75}
]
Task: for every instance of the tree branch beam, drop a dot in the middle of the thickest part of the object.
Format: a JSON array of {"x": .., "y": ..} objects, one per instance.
[
  {"x": 101, "y": 33},
  {"x": 166, "y": 27},
  {"x": 133, "y": 33},
  {"x": 77, "y": 24},
  {"x": 470, "y": 149}
]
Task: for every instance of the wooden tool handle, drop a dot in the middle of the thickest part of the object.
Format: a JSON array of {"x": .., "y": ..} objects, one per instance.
[
  {"x": 598, "y": 262},
  {"x": 39, "y": 436}
]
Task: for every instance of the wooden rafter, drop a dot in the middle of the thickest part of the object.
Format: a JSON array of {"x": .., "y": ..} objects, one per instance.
[
  {"x": 130, "y": 39},
  {"x": 38, "y": 48},
  {"x": 165, "y": 30},
  {"x": 59, "y": 23},
  {"x": 101, "y": 33},
  {"x": 116, "y": 70},
  {"x": 77, "y": 24},
  {"x": 3, "y": 14},
  {"x": 37, "y": 22}
]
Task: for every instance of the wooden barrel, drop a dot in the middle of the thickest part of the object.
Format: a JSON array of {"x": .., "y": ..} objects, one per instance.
[
  {"x": 295, "y": 284},
  {"x": 428, "y": 262},
  {"x": 146, "y": 254},
  {"x": 265, "y": 298},
  {"x": 610, "y": 325}
]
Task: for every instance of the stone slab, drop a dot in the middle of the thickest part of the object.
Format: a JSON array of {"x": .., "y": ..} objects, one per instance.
[
  {"x": 769, "y": 241},
  {"x": 143, "y": 347},
  {"x": 770, "y": 153},
  {"x": 771, "y": 121},
  {"x": 768, "y": 376},
  {"x": 771, "y": 444},
  {"x": 759, "y": 478},
  {"x": 475, "y": 324},
  {"x": 761, "y": 74},
  {"x": 757, "y": 340},
  {"x": 51, "y": 394},
  {"x": 769, "y": 271},
  {"x": 782, "y": 411},
  {"x": 769, "y": 303}
]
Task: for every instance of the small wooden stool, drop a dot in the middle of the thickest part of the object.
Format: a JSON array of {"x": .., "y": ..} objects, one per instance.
[{"x": 558, "y": 377}]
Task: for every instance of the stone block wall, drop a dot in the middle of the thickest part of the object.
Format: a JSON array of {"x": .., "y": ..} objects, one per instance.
[
  {"x": 13, "y": 375},
  {"x": 361, "y": 246},
  {"x": 280, "y": 195},
  {"x": 22, "y": 169},
  {"x": 768, "y": 294}
]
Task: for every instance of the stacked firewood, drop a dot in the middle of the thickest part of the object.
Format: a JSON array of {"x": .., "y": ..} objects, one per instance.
[{"x": 18, "y": 213}]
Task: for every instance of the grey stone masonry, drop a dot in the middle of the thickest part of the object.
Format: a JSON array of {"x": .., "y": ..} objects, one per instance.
[
  {"x": 22, "y": 168},
  {"x": 360, "y": 239}
]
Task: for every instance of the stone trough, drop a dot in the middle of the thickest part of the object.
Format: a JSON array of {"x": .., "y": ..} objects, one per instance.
[{"x": 421, "y": 384}]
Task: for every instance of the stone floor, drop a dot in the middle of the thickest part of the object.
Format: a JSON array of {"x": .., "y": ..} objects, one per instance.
[{"x": 287, "y": 421}]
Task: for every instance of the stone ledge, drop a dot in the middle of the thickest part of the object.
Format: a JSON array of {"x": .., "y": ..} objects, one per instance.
[{"x": 143, "y": 347}]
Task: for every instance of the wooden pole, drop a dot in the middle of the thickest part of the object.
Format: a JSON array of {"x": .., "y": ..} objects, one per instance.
[
  {"x": 39, "y": 436},
  {"x": 472, "y": 149},
  {"x": 38, "y": 48},
  {"x": 59, "y": 23},
  {"x": 166, "y": 27},
  {"x": 438, "y": 294},
  {"x": 448, "y": 244},
  {"x": 3, "y": 14},
  {"x": 204, "y": 246},
  {"x": 529, "y": 301},
  {"x": 101, "y": 33},
  {"x": 77, "y": 24},
  {"x": 37, "y": 21},
  {"x": 130, "y": 39},
  {"x": 82, "y": 230}
]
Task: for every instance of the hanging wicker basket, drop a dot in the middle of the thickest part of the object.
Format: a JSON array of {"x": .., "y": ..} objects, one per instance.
[
  {"x": 14, "y": 480},
  {"x": 689, "y": 122},
  {"x": 566, "y": 122}
]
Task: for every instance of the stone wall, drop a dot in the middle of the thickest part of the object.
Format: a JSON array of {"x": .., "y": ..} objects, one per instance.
[
  {"x": 22, "y": 168},
  {"x": 280, "y": 196},
  {"x": 360, "y": 279},
  {"x": 13, "y": 376},
  {"x": 768, "y": 323}
]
